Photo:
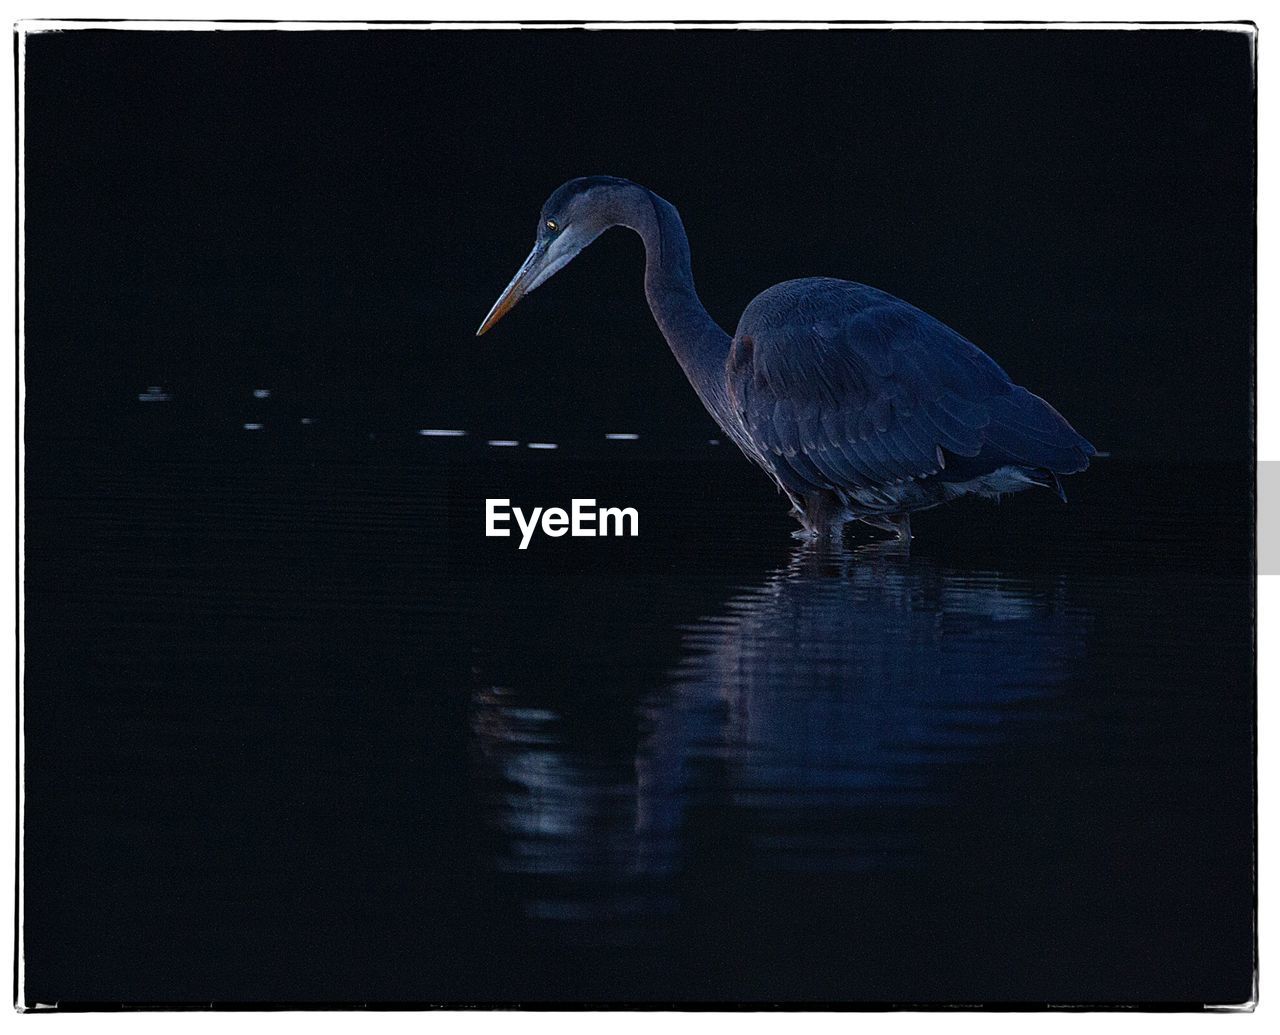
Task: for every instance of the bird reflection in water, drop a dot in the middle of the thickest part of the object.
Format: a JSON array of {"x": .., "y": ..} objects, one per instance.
[{"x": 849, "y": 690}]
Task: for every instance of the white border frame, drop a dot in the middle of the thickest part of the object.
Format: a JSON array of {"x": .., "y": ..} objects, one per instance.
[{"x": 747, "y": 15}]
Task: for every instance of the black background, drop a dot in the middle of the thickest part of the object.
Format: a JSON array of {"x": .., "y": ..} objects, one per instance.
[
  {"x": 255, "y": 675},
  {"x": 332, "y": 213}
]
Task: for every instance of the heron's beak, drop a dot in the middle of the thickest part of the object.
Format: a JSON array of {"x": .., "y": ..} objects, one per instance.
[{"x": 527, "y": 277}]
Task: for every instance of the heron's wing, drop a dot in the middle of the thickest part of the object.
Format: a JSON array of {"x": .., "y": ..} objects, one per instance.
[{"x": 855, "y": 389}]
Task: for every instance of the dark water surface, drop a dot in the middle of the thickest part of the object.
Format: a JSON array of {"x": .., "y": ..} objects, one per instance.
[{"x": 295, "y": 730}]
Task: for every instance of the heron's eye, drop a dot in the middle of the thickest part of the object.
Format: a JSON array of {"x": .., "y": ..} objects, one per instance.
[{"x": 552, "y": 225}]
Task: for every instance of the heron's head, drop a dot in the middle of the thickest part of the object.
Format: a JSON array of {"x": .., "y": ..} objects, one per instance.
[{"x": 575, "y": 215}]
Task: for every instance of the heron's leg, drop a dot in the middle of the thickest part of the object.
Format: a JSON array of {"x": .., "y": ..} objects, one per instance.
[
  {"x": 898, "y": 524},
  {"x": 824, "y": 515}
]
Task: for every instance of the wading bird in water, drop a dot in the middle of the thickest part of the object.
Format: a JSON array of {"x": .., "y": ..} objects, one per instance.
[{"x": 859, "y": 406}]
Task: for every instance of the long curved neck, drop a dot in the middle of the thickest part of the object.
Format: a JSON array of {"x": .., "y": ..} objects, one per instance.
[{"x": 699, "y": 344}]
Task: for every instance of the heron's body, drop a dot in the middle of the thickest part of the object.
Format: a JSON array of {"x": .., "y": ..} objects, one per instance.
[{"x": 857, "y": 404}]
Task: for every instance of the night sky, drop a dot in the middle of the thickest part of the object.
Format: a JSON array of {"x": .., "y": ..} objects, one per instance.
[{"x": 332, "y": 213}]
